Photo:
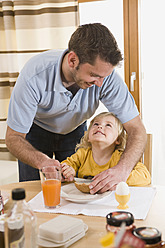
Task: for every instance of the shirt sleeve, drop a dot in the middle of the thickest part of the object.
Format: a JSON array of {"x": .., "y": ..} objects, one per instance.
[
  {"x": 117, "y": 98},
  {"x": 139, "y": 176},
  {"x": 23, "y": 104},
  {"x": 76, "y": 160}
]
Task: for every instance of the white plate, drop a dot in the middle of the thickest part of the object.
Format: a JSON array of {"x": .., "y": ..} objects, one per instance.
[
  {"x": 45, "y": 243},
  {"x": 82, "y": 180},
  {"x": 5, "y": 196},
  {"x": 71, "y": 193}
]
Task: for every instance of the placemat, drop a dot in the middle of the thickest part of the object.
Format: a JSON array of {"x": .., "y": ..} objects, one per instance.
[{"x": 139, "y": 203}]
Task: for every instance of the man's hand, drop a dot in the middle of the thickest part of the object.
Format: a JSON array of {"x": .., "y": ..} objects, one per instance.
[
  {"x": 68, "y": 172},
  {"x": 50, "y": 162},
  {"x": 107, "y": 180}
]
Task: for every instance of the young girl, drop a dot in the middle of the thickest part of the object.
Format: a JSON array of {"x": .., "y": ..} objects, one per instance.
[{"x": 100, "y": 149}]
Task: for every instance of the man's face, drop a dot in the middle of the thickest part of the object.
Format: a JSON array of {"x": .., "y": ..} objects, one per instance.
[{"x": 86, "y": 75}]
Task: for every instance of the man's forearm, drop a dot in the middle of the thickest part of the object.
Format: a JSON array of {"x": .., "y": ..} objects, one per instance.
[
  {"x": 136, "y": 142},
  {"x": 134, "y": 149},
  {"x": 24, "y": 151}
]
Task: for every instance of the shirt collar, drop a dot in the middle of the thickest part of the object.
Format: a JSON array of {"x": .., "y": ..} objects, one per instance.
[{"x": 58, "y": 85}]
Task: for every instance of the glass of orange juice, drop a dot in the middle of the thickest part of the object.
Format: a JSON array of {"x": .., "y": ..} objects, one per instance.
[{"x": 51, "y": 186}]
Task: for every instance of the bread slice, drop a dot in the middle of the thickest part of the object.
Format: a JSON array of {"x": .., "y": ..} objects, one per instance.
[{"x": 83, "y": 187}]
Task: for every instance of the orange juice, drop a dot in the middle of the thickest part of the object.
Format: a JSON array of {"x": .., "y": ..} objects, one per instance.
[{"x": 51, "y": 192}]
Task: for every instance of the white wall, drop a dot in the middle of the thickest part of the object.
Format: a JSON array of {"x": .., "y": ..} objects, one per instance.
[
  {"x": 110, "y": 14},
  {"x": 153, "y": 84}
]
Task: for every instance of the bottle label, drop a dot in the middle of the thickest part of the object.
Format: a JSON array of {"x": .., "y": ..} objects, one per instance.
[
  {"x": 1, "y": 207},
  {"x": 18, "y": 243},
  {"x": 148, "y": 232},
  {"x": 120, "y": 216},
  {"x": 129, "y": 240}
]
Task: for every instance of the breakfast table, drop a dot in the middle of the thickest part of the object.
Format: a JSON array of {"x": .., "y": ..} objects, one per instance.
[{"x": 96, "y": 225}]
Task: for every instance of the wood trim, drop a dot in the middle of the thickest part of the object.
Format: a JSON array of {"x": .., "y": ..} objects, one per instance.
[
  {"x": 131, "y": 47},
  {"x": 147, "y": 158},
  {"x": 85, "y": 1},
  {"x": 126, "y": 40},
  {"x": 134, "y": 47}
]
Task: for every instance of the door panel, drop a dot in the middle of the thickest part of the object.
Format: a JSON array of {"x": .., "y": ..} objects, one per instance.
[{"x": 131, "y": 48}]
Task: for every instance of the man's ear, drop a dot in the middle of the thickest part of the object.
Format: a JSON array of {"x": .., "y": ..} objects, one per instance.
[
  {"x": 117, "y": 142},
  {"x": 73, "y": 60}
]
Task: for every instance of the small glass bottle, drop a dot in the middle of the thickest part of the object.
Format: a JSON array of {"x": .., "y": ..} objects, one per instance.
[
  {"x": 20, "y": 224},
  {"x": 115, "y": 219},
  {"x": 2, "y": 221},
  {"x": 151, "y": 236},
  {"x": 1, "y": 204}
]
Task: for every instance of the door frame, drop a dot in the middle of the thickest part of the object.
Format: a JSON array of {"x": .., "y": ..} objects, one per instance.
[{"x": 131, "y": 20}]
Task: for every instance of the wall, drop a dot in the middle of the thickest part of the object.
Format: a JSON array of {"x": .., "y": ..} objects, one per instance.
[
  {"x": 92, "y": 12},
  {"x": 153, "y": 54}
]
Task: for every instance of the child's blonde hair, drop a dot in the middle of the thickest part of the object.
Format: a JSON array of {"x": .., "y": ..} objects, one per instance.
[{"x": 84, "y": 143}]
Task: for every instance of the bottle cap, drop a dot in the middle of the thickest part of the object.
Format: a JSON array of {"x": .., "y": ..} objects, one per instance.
[
  {"x": 108, "y": 239},
  {"x": 118, "y": 217},
  {"x": 149, "y": 235},
  {"x": 18, "y": 194}
]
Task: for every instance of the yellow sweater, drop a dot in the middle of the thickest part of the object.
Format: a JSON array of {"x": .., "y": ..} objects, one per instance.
[{"x": 83, "y": 162}]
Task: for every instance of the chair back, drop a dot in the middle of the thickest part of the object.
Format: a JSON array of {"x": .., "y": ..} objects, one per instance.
[{"x": 147, "y": 156}]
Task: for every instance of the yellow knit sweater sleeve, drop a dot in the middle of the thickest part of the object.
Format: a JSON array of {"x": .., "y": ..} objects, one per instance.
[
  {"x": 139, "y": 176},
  {"x": 77, "y": 159}
]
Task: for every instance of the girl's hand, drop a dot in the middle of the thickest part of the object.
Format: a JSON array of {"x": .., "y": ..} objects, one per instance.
[{"x": 68, "y": 172}]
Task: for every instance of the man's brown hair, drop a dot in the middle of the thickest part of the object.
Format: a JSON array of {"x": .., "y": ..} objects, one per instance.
[{"x": 92, "y": 40}]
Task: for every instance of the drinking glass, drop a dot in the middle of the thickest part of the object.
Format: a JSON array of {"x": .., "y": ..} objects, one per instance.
[{"x": 51, "y": 186}]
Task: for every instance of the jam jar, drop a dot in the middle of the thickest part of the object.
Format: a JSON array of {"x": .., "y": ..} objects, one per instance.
[
  {"x": 150, "y": 235},
  {"x": 115, "y": 219}
]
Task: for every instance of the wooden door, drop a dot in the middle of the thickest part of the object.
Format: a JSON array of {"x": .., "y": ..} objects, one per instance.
[{"x": 131, "y": 10}]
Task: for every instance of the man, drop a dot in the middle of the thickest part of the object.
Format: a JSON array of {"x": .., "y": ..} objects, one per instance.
[{"x": 57, "y": 91}]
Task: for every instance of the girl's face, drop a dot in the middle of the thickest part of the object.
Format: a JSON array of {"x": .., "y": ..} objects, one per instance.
[{"x": 105, "y": 130}]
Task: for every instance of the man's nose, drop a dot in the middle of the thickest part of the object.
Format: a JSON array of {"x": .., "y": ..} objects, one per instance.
[{"x": 99, "y": 82}]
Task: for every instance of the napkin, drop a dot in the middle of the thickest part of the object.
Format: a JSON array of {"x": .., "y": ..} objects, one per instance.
[{"x": 139, "y": 204}]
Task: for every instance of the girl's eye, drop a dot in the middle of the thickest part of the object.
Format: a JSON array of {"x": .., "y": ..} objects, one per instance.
[
  {"x": 109, "y": 125},
  {"x": 95, "y": 124}
]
